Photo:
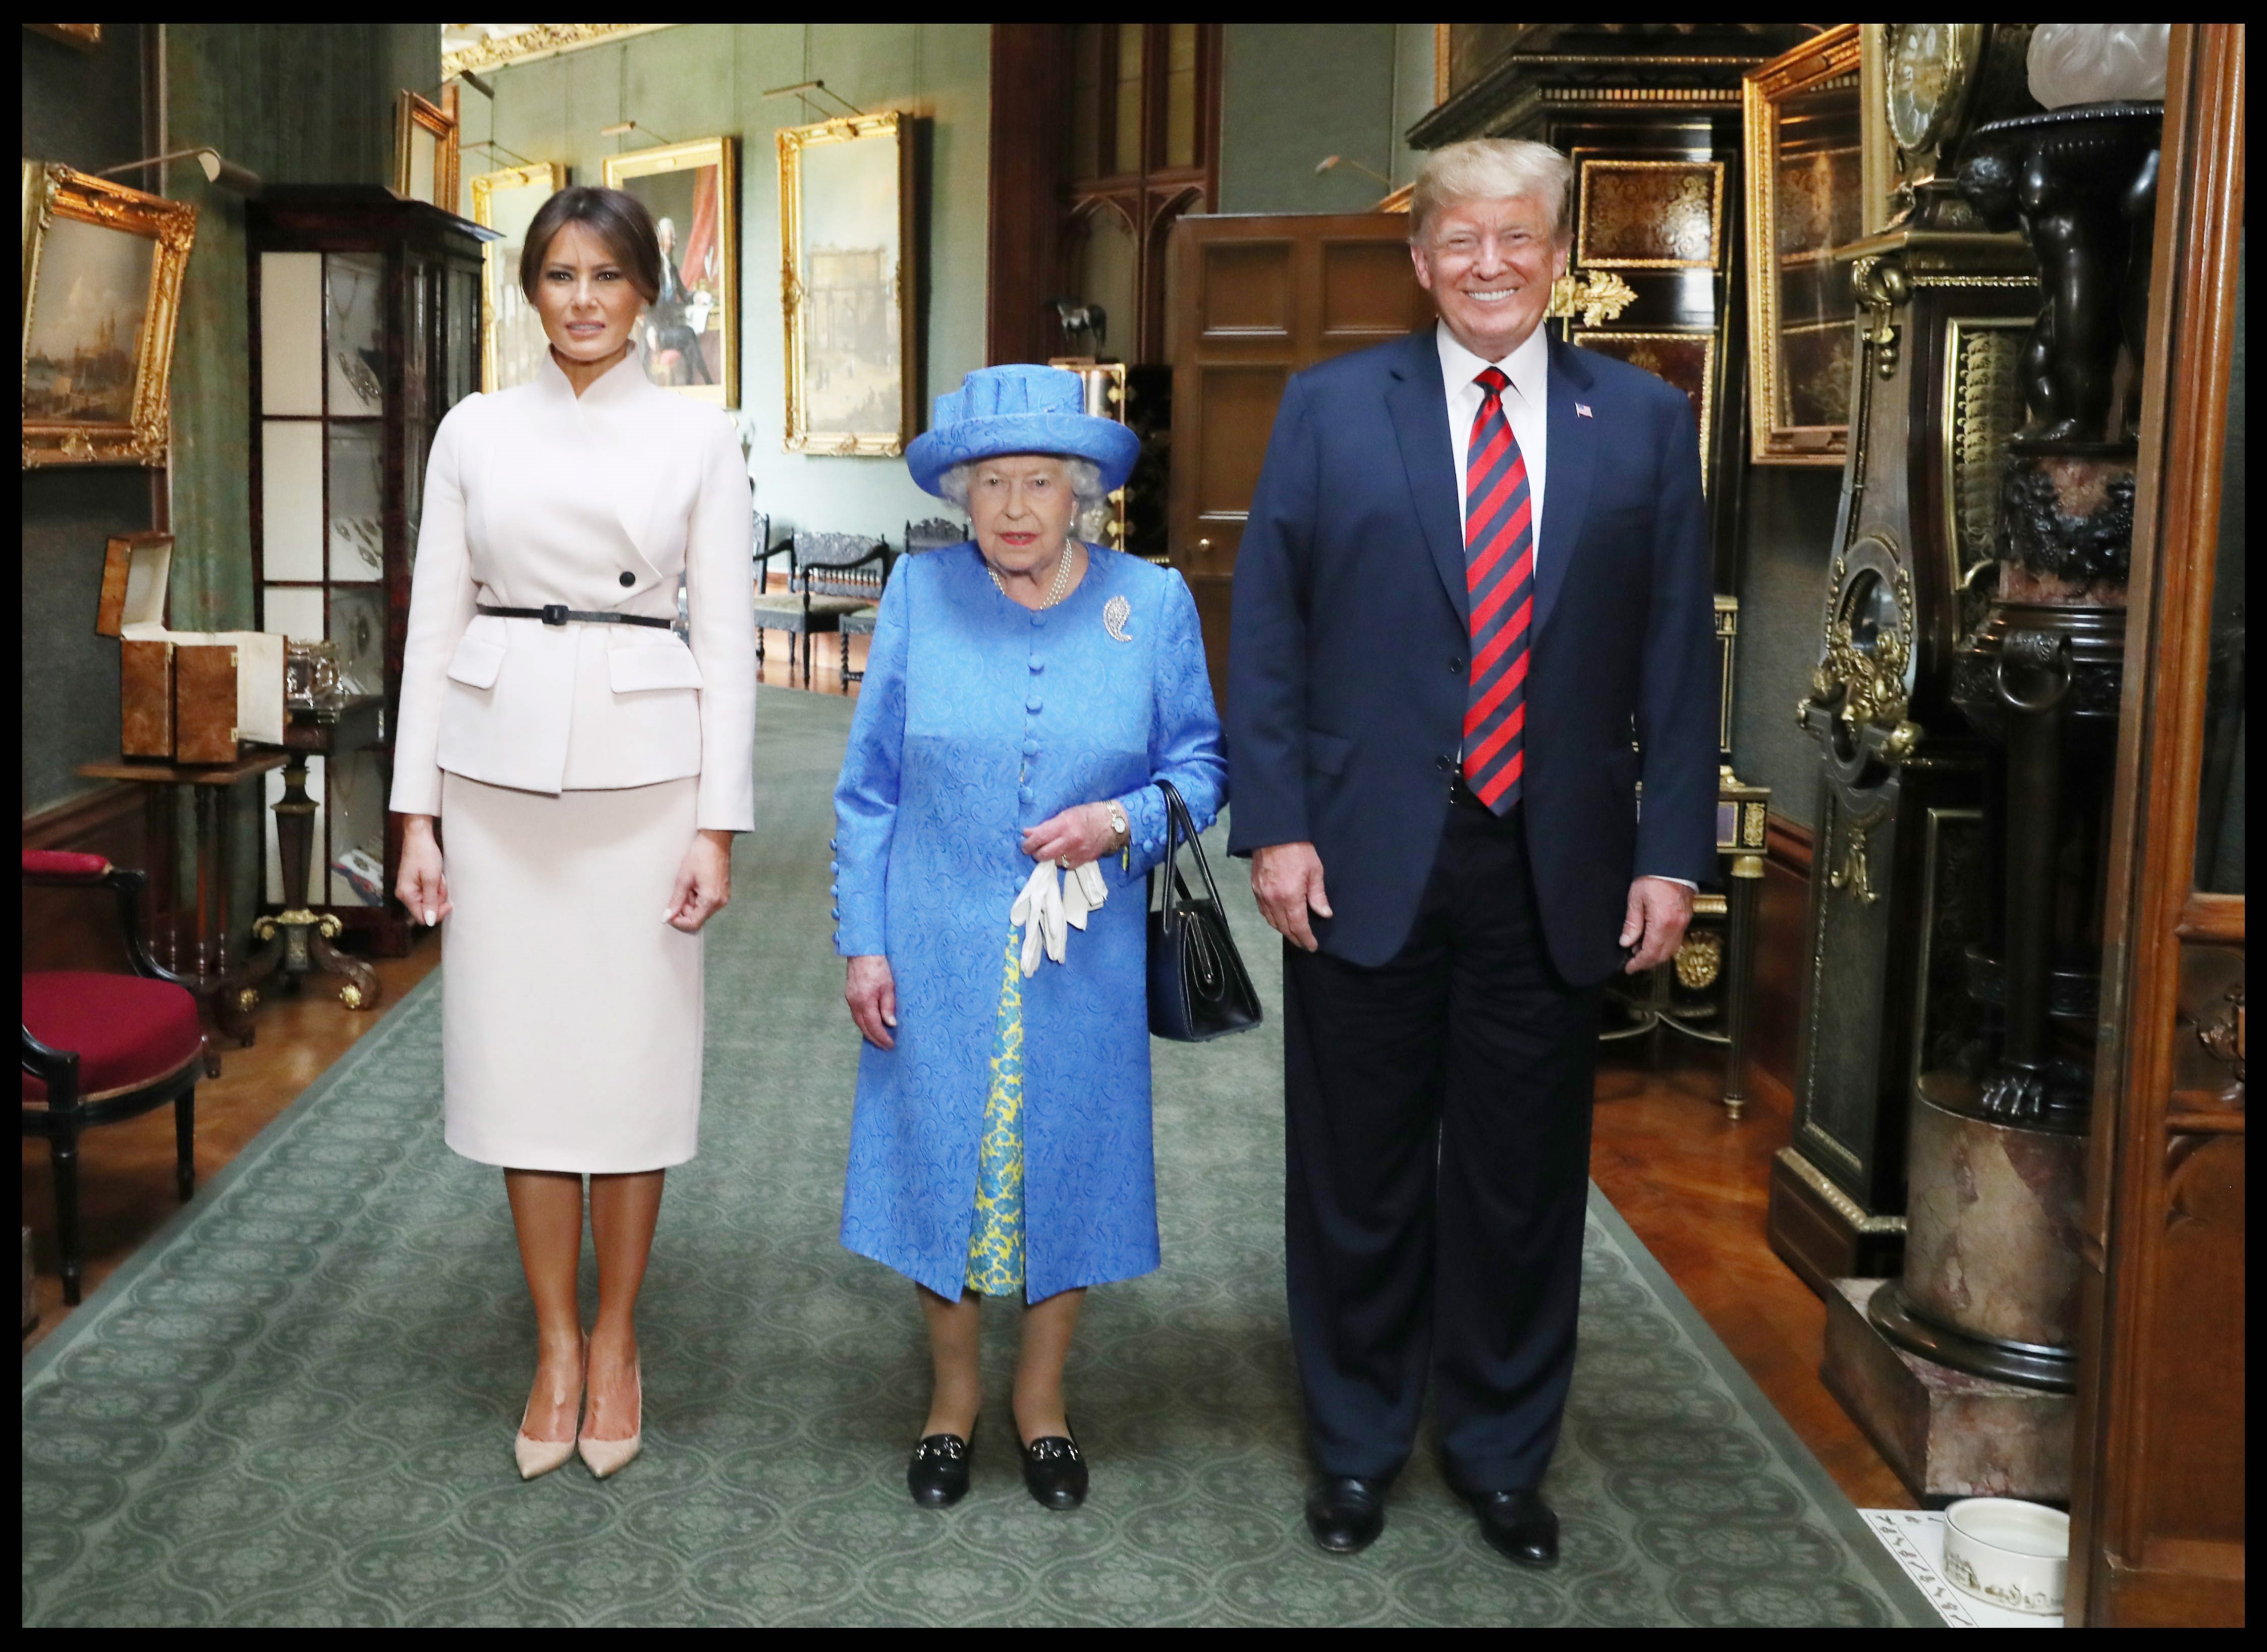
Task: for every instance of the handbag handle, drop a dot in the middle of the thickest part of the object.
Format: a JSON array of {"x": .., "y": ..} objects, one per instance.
[{"x": 1180, "y": 825}]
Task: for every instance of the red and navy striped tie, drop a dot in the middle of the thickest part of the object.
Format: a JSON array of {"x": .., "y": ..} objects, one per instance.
[{"x": 1499, "y": 574}]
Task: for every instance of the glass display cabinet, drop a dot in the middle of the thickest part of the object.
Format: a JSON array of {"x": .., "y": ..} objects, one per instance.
[{"x": 365, "y": 330}]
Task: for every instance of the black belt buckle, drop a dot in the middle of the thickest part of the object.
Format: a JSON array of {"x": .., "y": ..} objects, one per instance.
[{"x": 554, "y": 614}]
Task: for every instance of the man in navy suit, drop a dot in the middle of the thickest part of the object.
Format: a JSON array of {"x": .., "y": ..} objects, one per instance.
[{"x": 1472, "y": 612}]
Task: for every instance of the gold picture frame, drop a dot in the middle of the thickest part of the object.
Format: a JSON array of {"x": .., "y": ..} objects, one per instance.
[
  {"x": 425, "y": 153},
  {"x": 511, "y": 336},
  {"x": 1685, "y": 357},
  {"x": 689, "y": 337},
  {"x": 98, "y": 369},
  {"x": 1805, "y": 150},
  {"x": 846, "y": 287},
  {"x": 1651, "y": 215}
]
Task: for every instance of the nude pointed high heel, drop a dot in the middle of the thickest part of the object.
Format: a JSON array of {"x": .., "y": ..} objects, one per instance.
[
  {"x": 537, "y": 1458},
  {"x": 611, "y": 1457}
]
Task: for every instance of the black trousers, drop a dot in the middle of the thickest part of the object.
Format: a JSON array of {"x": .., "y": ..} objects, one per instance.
[{"x": 1438, "y": 1114}]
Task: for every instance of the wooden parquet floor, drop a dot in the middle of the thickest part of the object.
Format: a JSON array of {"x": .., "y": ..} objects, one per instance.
[{"x": 1689, "y": 1181}]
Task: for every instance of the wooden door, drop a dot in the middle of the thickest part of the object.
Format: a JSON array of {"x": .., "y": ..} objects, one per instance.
[
  {"x": 2157, "y": 1500},
  {"x": 1259, "y": 298}
]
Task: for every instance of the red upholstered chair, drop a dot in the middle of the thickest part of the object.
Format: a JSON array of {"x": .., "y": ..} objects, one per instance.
[{"x": 100, "y": 1047}]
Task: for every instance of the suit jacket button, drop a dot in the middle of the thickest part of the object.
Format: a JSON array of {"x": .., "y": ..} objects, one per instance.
[
  {"x": 628, "y": 579},
  {"x": 1443, "y": 764},
  {"x": 1456, "y": 662}
]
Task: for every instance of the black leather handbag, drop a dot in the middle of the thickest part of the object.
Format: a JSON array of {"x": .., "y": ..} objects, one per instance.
[{"x": 1198, "y": 986}]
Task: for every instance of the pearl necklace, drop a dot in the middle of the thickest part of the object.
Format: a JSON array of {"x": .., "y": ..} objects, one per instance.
[{"x": 1055, "y": 590}]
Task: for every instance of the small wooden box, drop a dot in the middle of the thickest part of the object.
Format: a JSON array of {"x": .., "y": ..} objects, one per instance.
[{"x": 183, "y": 696}]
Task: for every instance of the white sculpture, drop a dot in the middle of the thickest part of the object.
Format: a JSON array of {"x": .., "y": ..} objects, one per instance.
[{"x": 2098, "y": 62}]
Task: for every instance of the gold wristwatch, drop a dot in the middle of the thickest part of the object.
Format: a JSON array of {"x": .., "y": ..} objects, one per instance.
[{"x": 1119, "y": 824}]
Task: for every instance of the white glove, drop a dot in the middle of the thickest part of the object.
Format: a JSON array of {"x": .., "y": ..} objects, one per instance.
[
  {"x": 1039, "y": 909},
  {"x": 1083, "y": 892}
]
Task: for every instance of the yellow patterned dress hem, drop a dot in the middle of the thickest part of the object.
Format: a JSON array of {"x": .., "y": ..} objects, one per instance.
[{"x": 995, "y": 1242}]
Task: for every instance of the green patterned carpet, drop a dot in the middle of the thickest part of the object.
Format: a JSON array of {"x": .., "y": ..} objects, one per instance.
[{"x": 296, "y": 1404}]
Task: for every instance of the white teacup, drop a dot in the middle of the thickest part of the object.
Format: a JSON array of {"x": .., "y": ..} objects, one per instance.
[{"x": 2008, "y": 1553}]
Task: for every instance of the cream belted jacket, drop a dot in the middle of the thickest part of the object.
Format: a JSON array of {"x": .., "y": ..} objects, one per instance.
[{"x": 537, "y": 496}]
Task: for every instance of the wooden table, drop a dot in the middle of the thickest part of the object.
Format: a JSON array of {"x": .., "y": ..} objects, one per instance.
[
  {"x": 297, "y": 941},
  {"x": 225, "y": 994}
]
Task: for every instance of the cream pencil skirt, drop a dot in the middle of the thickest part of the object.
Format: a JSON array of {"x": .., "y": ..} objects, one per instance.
[{"x": 571, "y": 1014}]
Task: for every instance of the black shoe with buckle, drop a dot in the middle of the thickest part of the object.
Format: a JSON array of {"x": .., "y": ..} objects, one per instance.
[
  {"x": 1055, "y": 1472},
  {"x": 938, "y": 1476}
]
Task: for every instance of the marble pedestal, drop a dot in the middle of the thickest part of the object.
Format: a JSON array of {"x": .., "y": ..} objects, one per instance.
[{"x": 1946, "y": 1433}]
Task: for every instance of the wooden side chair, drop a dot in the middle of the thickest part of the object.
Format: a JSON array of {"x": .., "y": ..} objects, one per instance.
[
  {"x": 836, "y": 575},
  {"x": 100, "y": 1047},
  {"x": 775, "y": 610},
  {"x": 934, "y": 534}
]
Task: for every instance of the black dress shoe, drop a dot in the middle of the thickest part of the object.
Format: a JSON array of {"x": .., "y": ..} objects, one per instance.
[
  {"x": 1519, "y": 1526},
  {"x": 1346, "y": 1514},
  {"x": 938, "y": 1476},
  {"x": 1055, "y": 1472}
]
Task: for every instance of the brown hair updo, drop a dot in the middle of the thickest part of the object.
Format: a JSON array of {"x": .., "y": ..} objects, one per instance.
[{"x": 620, "y": 221}]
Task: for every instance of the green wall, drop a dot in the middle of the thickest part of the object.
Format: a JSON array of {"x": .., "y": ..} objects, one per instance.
[
  {"x": 84, "y": 110},
  {"x": 1292, "y": 93},
  {"x": 1789, "y": 526},
  {"x": 296, "y": 103},
  {"x": 699, "y": 80}
]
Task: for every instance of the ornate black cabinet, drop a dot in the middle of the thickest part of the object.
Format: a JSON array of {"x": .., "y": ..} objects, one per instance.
[{"x": 1897, "y": 890}]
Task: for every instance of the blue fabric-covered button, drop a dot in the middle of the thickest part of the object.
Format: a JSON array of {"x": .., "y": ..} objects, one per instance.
[
  {"x": 1038, "y": 666},
  {"x": 1033, "y": 704},
  {"x": 1039, "y": 619},
  {"x": 1024, "y": 793},
  {"x": 1031, "y": 748}
]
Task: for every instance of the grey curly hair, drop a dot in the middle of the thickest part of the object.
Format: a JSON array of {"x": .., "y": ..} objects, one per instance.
[{"x": 1090, "y": 510}]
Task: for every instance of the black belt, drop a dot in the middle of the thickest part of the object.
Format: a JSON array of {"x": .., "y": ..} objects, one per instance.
[{"x": 560, "y": 613}]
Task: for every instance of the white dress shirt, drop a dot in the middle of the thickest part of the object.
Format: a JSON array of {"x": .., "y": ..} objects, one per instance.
[
  {"x": 1524, "y": 405},
  {"x": 1526, "y": 408}
]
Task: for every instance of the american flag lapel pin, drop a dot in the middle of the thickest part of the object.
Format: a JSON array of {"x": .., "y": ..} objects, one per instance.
[{"x": 1581, "y": 409}]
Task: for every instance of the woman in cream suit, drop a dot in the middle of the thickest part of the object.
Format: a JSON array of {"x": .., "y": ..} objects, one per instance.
[{"x": 587, "y": 770}]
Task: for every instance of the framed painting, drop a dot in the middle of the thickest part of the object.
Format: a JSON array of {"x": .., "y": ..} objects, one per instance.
[
  {"x": 1686, "y": 359},
  {"x": 102, "y": 293},
  {"x": 689, "y": 337},
  {"x": 846, "y": 285},
  {"x": 1806, "y": 184},
  {"x": 425, "y": 149},
  {"x": 511, "y": 335}
]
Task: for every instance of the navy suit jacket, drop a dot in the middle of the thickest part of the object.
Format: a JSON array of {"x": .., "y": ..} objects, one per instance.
[{"x": 1347, "y": 656}]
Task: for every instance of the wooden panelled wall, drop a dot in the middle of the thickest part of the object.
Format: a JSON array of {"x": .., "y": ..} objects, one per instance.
[{"x": 1262, "y": 298}]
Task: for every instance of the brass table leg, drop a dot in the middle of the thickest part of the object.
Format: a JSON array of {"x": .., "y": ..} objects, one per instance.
[{"x": 296, "y": 942}]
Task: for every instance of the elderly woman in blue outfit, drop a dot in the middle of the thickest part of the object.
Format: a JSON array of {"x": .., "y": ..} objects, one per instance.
[{"x": 996, "y": 815}]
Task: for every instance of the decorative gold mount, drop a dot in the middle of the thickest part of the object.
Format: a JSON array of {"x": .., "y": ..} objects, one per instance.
[
  {"x": 1597, "y": 296},
  {"x": 1862, "y": 689},
  {"x": 533, "y": 40},
  {"x": 1852, "y": 877}
]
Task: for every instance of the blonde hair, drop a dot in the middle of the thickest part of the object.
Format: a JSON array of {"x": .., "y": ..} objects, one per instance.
[{"x": 1491, "y": 169}]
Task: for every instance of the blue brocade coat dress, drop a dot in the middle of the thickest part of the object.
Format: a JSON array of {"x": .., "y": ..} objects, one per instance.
[{"x": 978, "y": 718}]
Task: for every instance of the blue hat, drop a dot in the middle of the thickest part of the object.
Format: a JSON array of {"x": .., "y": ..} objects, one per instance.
[{"x": 1019, "y": 408}]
